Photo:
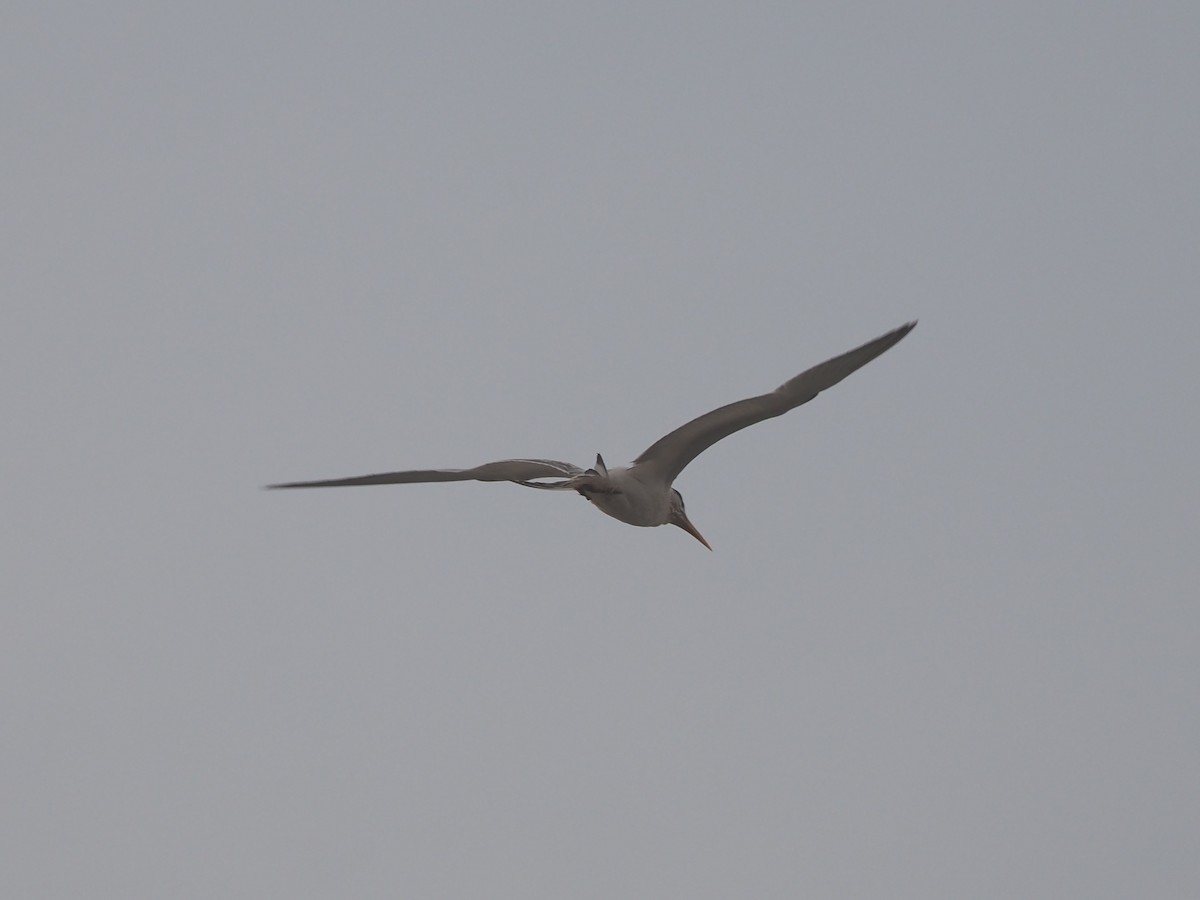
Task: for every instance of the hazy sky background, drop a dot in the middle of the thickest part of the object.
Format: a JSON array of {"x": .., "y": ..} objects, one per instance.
[{"x": 946, "y": 645}]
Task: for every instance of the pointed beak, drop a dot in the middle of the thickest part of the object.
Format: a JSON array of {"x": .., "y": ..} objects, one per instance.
[{"x": 685, "y": 523}]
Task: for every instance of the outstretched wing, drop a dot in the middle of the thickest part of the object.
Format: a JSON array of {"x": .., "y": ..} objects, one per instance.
[
  {"x": 518, "y": 470},
  {"x": 667, "y": 456}
]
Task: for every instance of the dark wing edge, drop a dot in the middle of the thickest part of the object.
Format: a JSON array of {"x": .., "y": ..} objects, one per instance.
[
  {"x": 670, "y": 454},
  {"x": 518, "y": 470},
  {"x": 414, "y": 477}
]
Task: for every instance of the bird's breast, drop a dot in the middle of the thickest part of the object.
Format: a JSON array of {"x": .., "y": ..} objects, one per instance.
[{"x": 623, "y": 496}]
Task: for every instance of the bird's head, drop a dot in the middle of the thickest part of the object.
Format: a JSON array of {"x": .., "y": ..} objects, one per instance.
[{"x": 679, "y": 517}]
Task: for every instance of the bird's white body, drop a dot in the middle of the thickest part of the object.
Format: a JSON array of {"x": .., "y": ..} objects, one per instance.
[
  {"x": 642, "y": 493},
  {"x": 623, "y": 495}
]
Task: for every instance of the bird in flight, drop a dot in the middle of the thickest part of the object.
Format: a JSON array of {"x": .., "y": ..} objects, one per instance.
[{"x": 642, "y": 493}]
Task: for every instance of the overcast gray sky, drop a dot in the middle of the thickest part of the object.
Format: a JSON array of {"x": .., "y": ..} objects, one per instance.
[{"x": 946, "y": 645}]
